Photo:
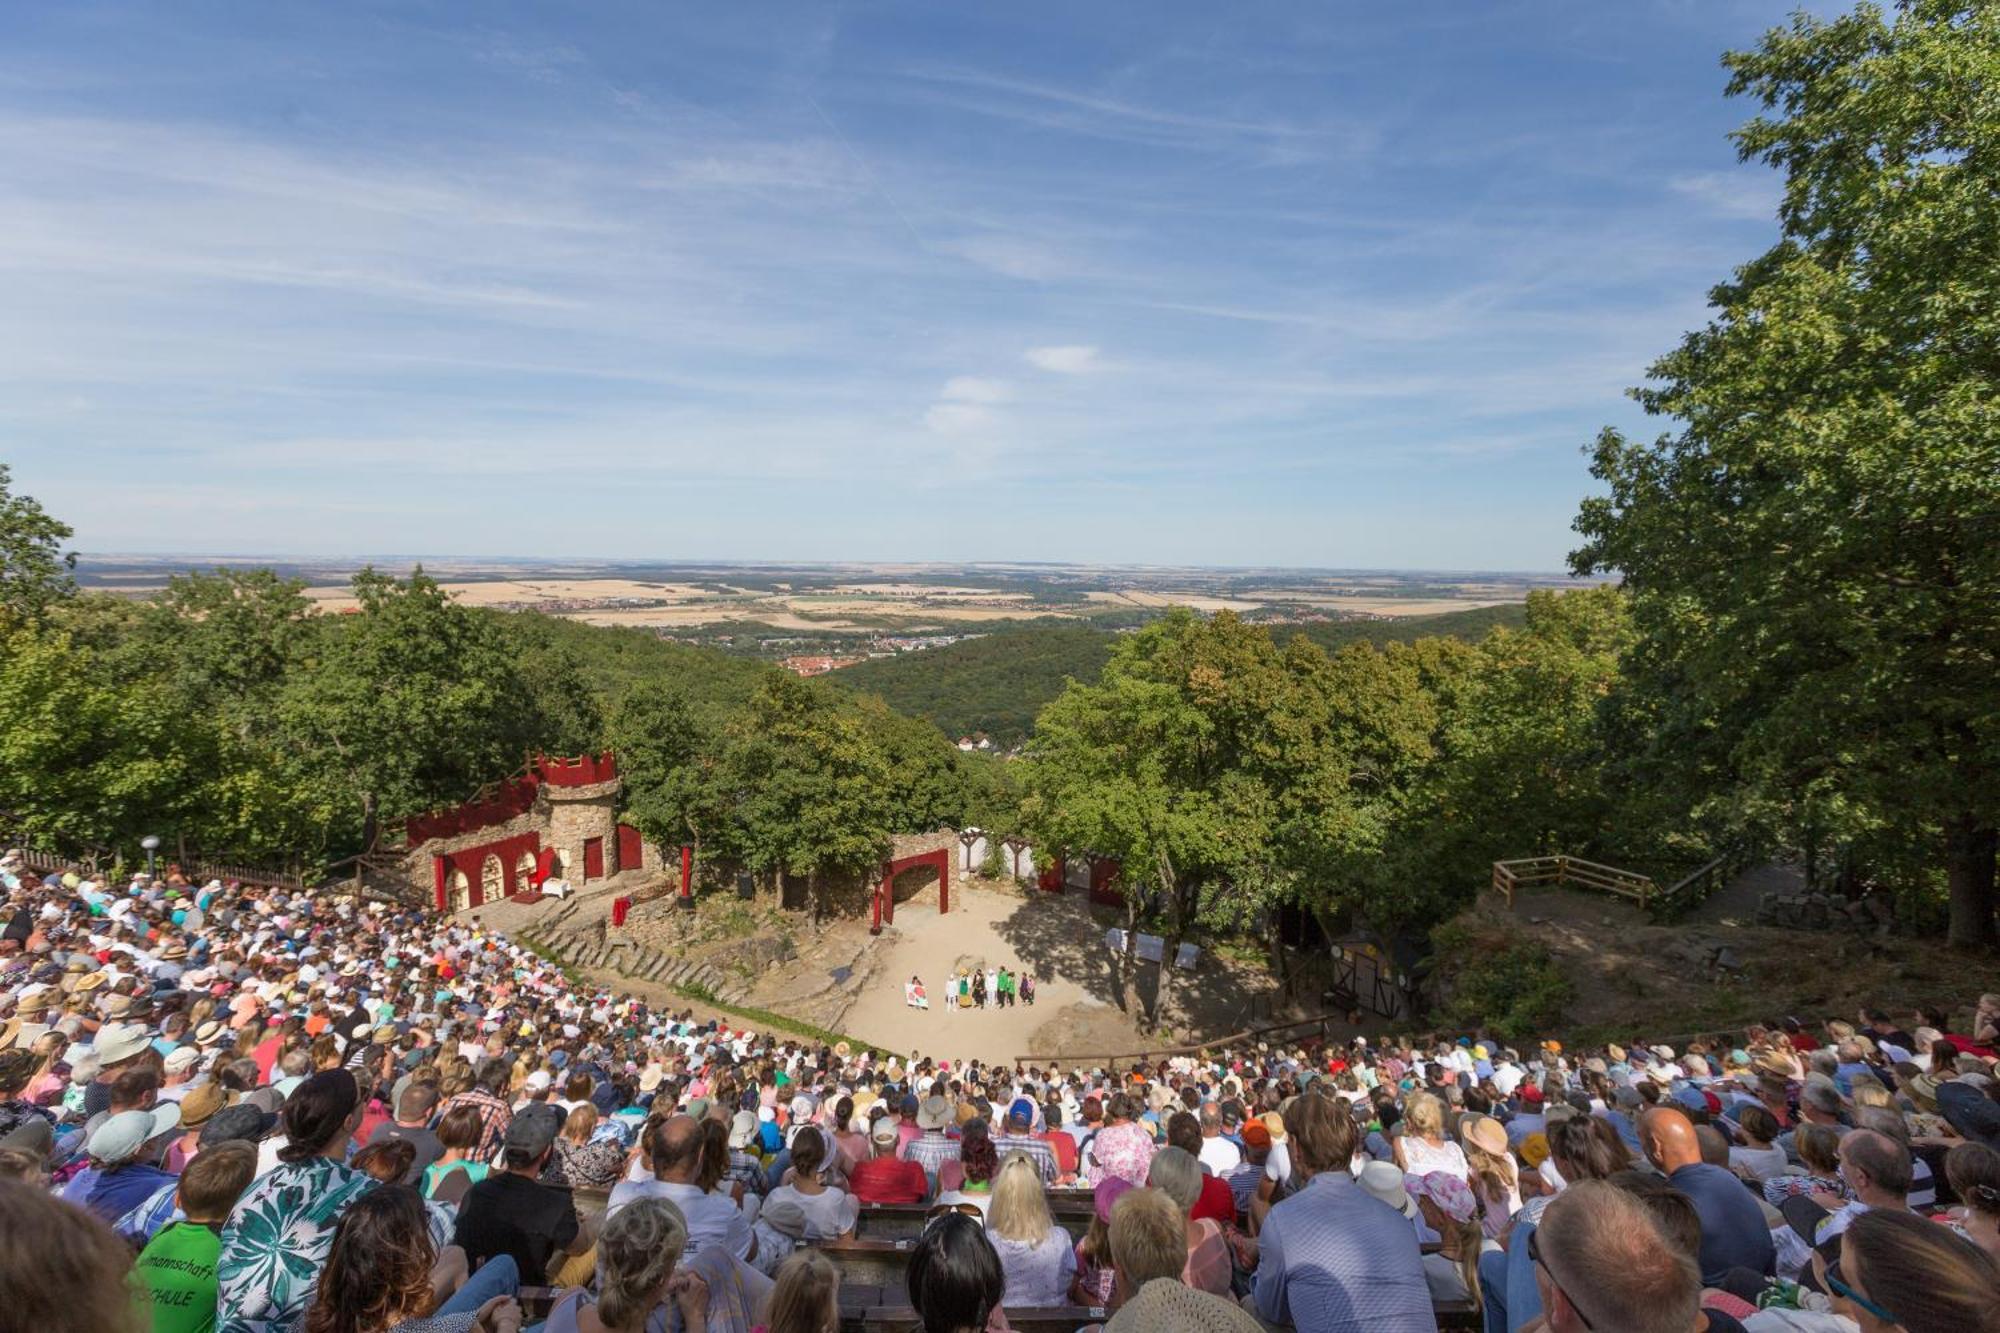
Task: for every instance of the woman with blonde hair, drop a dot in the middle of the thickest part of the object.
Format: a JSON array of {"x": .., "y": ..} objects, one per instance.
[
  {"x": 580, "y": 1163},
  {"x": 1422, "y": 1147},
  {"x": 807, "y": 1296},
  {"x": 1495, "y": 1180},
  {"x": 637, "y": 1253},
  {"x": 1035, "y": 1253}
]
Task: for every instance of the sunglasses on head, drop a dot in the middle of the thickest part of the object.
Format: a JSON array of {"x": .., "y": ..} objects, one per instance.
[
  {"x": 939, "y": 1211},
  {"x": 1837, "y": 1284}
]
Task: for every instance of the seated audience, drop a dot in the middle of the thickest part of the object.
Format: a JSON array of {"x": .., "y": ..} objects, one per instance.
[
  {"x": 1333, "y": 1259},
  {"x": 383, "y": 1273},
  {"x": 1035, "y": 1253},
  {"x": 1149, "y": 1248},
  {"x": 955, "y": 1282}
]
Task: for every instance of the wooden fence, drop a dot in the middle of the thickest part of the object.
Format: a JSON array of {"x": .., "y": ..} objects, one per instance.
[{"x": 1510, "y": 875}]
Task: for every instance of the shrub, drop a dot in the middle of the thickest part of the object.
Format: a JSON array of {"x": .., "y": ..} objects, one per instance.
[{"x": 1498, "y": 979}]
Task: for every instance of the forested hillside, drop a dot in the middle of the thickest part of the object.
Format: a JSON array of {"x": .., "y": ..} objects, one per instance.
[
  {"x": 997, "y": 683},
  {"x": 994, "y": 684},
  {"x": 1471, "y": 626}
]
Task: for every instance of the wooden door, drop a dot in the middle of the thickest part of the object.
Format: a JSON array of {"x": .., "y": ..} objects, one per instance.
[{"x": 593, "y": 859}]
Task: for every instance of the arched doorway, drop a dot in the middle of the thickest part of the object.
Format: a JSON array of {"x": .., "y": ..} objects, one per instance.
[
  {"x": 492, "y": 880},
  {"x": 524, "y": 872},
  {"x": 461, "y": 892}
]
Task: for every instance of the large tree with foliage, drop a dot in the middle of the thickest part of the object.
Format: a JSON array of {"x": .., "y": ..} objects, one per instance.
[
  {"x": 34, "y": 569},
  {"x": 1813, "y": 550},
  {"x": 809, "y": 788},
  {"x": 1178, "y": 762},
  {"x": 409, "y": 703}
]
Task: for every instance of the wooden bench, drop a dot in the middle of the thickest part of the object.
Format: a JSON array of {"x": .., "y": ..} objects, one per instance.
[
  {"x": 894, "y": 1221},
  {"x": 1021, "y": 1318},
  {"x": 870, "y": 1263}
]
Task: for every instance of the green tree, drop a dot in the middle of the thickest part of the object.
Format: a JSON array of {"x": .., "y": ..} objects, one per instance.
[
  {"x": 1163, "y": 764},
  {"x": 671, "y": 761},
  {"x": 34, "y": 569},
  {"x": 1813, "y": 551},
  {"x": 810, "y": 789},
  {"x": 410, "y": 703}
]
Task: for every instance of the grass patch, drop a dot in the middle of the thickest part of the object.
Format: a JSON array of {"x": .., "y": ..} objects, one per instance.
[{"x": 764, "y": 1018}]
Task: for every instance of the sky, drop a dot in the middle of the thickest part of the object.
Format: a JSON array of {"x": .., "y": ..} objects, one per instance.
[{"x": 1312, "y": 284}]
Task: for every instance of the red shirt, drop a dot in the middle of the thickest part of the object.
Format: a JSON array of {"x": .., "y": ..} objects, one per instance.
[
  {"x": 1064, "y": 1147},
  {"x": 888, "y": 1180},
  {"x": 1215, "y": 1202}
]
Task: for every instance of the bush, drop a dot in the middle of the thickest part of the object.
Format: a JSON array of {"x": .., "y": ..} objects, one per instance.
[{"x": 1499, "y": 980}]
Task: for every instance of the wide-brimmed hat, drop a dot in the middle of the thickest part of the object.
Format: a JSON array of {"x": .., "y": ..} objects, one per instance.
[
  {"x": 1384, "y": 1181},
  {"x": 211, "y": 1033},
  {"x": 933, "y": 1113},
  {"x": 201, "y": 1103},
  {"x": 121, "y": 1136},
  {"x": 120, "y": 1041},
  {"x": 1484, "y": 1133}
]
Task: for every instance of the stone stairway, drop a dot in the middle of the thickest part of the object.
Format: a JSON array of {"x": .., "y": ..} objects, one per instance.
[{"x": 594, "y": 946}]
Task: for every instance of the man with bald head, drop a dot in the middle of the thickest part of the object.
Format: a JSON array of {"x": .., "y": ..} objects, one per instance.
[
  {"x": 1602, "y": 1262},
  {"x": 1734, "y": 1233},
  {"x": 673, "y": 1146}
]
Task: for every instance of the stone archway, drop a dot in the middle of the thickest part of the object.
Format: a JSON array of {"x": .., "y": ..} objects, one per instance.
[
  {"x": 492, "y": 879},
  {"x": 460, "y": 893},
  {"x": 524, "y": 872}
]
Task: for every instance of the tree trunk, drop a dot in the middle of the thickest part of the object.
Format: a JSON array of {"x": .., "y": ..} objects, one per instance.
[
  {"x": 369, "y": 829},
  {"x": 1127, "y": 964},
  {"x": 812, "y": 899},
  {"x": 1970, "y": 846}
]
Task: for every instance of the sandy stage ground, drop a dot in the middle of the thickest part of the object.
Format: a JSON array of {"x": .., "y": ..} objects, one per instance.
[{"x": 1054, "y": 936}]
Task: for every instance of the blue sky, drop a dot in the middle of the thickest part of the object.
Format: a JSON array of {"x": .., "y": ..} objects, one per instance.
[{"x": 1308, "y": 284}]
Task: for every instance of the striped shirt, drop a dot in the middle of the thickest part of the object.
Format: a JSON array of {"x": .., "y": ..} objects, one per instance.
[{"x": 932, "y": 1150}]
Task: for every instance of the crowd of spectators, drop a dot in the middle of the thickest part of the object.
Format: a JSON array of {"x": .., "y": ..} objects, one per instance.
[{"x": 260, "y": 1111}]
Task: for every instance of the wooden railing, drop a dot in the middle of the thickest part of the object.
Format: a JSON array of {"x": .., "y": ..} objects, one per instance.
[
  {"x": 1693, "y": 889},
  {"x": 1511, "y": 875}
]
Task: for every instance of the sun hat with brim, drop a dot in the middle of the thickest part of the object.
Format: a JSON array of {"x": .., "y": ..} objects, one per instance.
[
  {"x": 885, "y": 1131},
  {"x": 201, "y": 1103},
  {"x": 1922, "y": 1090},
  {"x": 933, "y": 1113},
  {"x": 1275, "y": 1123},
  {"x": 119, "y": 1139},
  {"x": 1384, "y": 1181},
  {"x": 1484, "y": 1133},
  {"x": 120, "y": 1041},
  {"x": 88, "y": 982}
]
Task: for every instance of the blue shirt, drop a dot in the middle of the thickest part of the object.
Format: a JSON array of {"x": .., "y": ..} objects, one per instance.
[
  {"x": 1734, "y": 1233},
  {"x": 1334, "y": 1259}
]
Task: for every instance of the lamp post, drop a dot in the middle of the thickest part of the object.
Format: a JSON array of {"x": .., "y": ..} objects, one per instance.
[{"x": 151, "y": 842}]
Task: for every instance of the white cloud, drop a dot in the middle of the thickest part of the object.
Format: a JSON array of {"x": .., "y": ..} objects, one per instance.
[
  {"x": 1732, "y": 194},
  {"x": 973, "y": 389},
  {"x": 1010, "y": 257},
  {"x": 958, "y": 418},
  {"x": 1070, "y": 360}
]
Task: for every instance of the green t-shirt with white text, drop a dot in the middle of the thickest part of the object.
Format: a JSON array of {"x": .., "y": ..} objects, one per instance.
[{"x": 178, "y": 1268}]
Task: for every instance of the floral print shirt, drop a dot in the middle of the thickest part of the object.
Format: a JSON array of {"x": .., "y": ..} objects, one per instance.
[{"x": 276, "y": 1242}]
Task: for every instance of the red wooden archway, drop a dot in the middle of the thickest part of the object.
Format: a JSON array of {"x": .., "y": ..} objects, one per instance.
[{"x": 885, "y": 898}]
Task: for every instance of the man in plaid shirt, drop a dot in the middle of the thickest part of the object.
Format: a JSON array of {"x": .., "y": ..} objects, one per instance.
[
  {"x": 745, "y": 1167},
  {"x": 1020, "y": 1119},
  {"x": 931, "y": 1149},
  {"x": 489, "y": 1098}
]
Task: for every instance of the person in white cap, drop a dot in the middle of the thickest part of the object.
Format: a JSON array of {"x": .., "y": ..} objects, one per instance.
[{"x": 124, "y": 1153}]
